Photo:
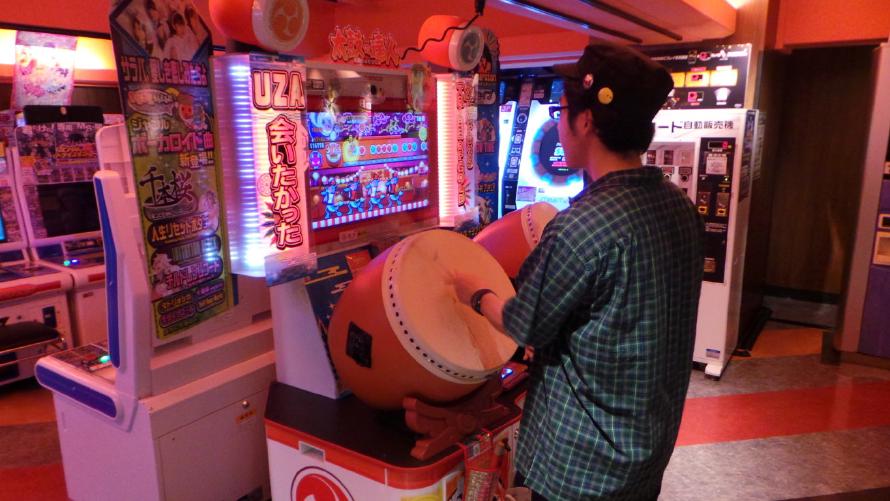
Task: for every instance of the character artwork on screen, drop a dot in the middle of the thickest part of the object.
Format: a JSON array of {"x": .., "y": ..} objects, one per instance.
[{"x": 366, "y": 165}]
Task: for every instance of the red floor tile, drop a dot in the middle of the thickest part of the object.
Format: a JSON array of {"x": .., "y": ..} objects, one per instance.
[
  {"x": 37, "y": 483},
  {"x": 792, "y": 412}
]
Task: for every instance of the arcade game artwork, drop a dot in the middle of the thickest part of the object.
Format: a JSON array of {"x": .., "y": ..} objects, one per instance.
[
  {"x": 58, "y": 162},
  {"x": 365, "y": 165},
  {"x": 532, "y": 161}
]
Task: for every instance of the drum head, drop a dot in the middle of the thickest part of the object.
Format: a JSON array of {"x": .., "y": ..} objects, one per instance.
[{"x": 445, "y": 336}]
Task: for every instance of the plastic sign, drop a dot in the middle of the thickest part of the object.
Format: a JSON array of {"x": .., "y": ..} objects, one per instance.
[
  {"x": 350, "y": 45},
  {"x": 264, "y": 146},
  {"x": 163, "y": 71}
]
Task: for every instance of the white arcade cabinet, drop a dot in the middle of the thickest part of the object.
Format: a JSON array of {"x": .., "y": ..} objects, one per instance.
[
  {"x": 54, "y": 164},
  {"x": 713, "y": 155},
  {"x": 152, "y": 419},
  {"x": 34, "y": 315}
]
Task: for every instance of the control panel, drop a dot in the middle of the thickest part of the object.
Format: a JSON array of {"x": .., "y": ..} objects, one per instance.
[
  {"x": 89, "y": 358},
  {"x": 713, "y": 200}
]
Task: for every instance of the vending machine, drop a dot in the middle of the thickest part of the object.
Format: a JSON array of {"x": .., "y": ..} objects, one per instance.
[{"x": 712, "y": 155}]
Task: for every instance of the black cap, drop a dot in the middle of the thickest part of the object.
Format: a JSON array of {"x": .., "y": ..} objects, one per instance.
[{"x": 617, "y": 81}]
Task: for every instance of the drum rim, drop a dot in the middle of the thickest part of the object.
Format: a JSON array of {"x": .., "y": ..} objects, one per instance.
[
  {"x": 415, "y": 346},
  {"x": 533, "y": 231}
]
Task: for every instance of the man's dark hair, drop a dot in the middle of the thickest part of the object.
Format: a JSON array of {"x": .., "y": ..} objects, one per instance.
[
  {"x": 618, "y": 132},
  {"x": 623, "y": 89}
]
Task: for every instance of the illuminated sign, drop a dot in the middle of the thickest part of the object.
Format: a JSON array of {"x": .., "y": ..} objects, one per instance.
[
  {"x": 264, "y": 146},
  {"x": 350, "y": 45}
]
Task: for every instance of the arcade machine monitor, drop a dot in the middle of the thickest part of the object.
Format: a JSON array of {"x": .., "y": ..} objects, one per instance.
[
  {"x": 532, "y": 163},
  {"x": 2, "y": 230},
  {"x": 365, "y": 165},
  {"x": 66, "y": 209}
]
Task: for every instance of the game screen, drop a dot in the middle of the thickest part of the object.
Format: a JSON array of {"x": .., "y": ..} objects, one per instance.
[
  {"x": 533, "y": 156},
  {"x": 366, "y": 164},
  {"x": 2, "y": 230},
  {"x": 67, "y": 208}
]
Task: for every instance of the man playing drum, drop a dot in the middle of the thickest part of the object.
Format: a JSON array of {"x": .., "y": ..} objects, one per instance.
[{"x": 609, "y": 297}]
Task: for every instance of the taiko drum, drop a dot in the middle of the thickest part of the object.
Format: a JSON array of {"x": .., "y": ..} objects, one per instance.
[
  {"x": 399, "y": 329},
  {"x": 512, "y": 238}
]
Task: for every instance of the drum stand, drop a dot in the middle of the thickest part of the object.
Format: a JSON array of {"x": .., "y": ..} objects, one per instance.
[{"x": 445, "y": 425}]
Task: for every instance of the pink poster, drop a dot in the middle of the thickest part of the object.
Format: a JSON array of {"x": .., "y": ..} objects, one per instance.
[{"x": 44, "y": 69}]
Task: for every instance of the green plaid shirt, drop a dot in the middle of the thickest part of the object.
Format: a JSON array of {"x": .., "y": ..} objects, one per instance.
[{"x": 609, "y": 301}]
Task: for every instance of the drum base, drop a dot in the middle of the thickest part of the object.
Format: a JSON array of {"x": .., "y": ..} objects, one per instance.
[{"x": 446, "y": 425}]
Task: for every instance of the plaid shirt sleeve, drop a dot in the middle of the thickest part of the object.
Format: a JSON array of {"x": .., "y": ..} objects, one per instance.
[{"x": 553, "y": 281}]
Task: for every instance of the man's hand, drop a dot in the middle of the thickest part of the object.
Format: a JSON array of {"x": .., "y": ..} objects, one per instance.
[{"x": 465, "y": 285}]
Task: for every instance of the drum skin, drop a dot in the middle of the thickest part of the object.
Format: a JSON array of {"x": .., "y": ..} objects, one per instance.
[
  {"x": 390, "y": 373},
  {"x": 512, "y": 238}
]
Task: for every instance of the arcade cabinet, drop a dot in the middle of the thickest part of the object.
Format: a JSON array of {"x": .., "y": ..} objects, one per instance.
[
  {"x": 371, "y": 187},
  {"x": 54, "y": 162},
  {"x": 864, "y": 328},
  {"x": 143, "y": 416},
  {"x": 532, "y": 161},
  {"x": 710, "y": 155},
  {"x": 34, "y": 316}
]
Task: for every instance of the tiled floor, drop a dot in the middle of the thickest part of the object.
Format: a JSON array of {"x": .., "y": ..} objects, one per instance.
[
  {"x": 778, "y": 425},
  {"x": 781, "y": 425}
]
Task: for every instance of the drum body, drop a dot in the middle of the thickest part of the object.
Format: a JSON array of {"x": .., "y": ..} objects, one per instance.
[
  {"x": 512, "y": 238},
  {"x": 399, "y": 330}
]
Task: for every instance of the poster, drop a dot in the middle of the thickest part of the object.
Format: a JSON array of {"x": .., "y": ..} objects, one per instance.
[
  {"x": 465, "y": 133},
  {"x": 162, "y": 49},
  {"x": 44, "y": 69},
  {"x": 58, "y": 152},
  {"x": 706, "y": 77},
  {"x": 487, "y": 130}
]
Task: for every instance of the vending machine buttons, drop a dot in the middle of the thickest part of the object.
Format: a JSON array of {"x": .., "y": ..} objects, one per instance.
[
  {"x": 704, "y": 202},
  {"x": 710, "y": 265},
  {"x": 723, "y": 204}
]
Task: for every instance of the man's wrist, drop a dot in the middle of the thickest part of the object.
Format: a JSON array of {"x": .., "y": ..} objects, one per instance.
[{"x": 476, "y": 299}]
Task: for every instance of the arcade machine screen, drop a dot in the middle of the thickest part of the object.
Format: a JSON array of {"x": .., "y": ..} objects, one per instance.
[
  {"x": 533, "y": 165},
  {"x": 66, "y": 209},
  {"x": 365, "y": 165},
  {"x": 2, "y": 230}
]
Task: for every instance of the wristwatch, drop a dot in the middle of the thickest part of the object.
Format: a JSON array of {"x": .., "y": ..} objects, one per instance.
[{"x": 476, "y": 299}]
